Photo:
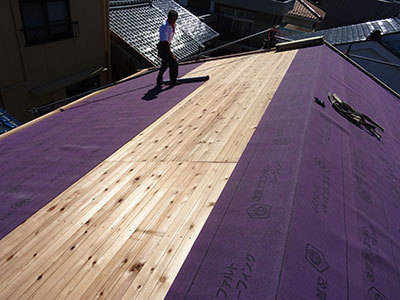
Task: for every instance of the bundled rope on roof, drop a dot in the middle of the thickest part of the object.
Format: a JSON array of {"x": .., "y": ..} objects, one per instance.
[{"x": 354, "y": 116}]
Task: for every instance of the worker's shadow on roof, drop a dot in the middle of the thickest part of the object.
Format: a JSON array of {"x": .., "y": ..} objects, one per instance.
[{"x": 153, "y": 93}]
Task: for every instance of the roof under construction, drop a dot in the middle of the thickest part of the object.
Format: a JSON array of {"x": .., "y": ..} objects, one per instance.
[{"x": 249, "y": 185}]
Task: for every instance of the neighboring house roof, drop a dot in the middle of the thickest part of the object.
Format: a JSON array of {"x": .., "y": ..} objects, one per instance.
[
  {"x": 306, "y": 9},
  {"x": 353, "y": 33},
  {"x": 127, "y": 2},
  {"x": 189, "y": 23},
  {"x": 238, "y": 187},
  {"x": 138, "y": 22},
  {"x": 393, "y": 42},
  {"x": 7, "y": 121}
]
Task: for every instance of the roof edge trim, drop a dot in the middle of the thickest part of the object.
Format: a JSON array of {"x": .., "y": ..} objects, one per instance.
[
  {"x": 309, "y": 42},
  {"x": 377, "y": 80},
  {"x": 319, "y": 40},
  {"x": 306, "y": 5}
]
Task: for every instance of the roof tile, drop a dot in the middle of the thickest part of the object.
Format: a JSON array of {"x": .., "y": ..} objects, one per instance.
[
  {"x": 355, "y": 32},
  {"x": 187, "y": 21},
  {"x": 306, "y": 9},
  {"x": 139, "y": 25}
]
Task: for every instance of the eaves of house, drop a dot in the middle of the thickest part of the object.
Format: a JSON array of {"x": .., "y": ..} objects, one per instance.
[{"x": 239, "y": 187}]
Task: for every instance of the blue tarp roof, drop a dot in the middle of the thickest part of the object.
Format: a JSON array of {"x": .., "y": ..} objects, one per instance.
[{"x": 7, "y": 121}]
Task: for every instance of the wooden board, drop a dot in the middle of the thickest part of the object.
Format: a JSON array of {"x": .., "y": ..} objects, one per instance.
[{"x": 126, "y": 227}]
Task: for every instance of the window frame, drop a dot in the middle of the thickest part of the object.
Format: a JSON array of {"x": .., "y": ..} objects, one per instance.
[
  {"x": 44, "y": 33},
  {"x": 238, "y": 19}
]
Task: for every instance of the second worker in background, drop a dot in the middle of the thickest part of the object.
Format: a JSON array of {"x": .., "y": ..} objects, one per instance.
[{"x": 168, "y": 59}]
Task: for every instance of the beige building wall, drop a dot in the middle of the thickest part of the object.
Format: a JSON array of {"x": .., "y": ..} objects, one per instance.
[{"x": 33, "y": 75}]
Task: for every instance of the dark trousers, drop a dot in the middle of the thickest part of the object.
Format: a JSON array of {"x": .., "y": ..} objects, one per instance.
[{"x": 167, "y": 61}]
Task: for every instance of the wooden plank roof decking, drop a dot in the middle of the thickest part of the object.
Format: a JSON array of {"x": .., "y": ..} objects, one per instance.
[
  {"x": 52, "y": 152},
  {"x": 125, "y": 228}
]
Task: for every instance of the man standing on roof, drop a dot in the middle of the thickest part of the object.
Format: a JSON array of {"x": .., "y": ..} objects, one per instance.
[{"x": 167, "y": 31}]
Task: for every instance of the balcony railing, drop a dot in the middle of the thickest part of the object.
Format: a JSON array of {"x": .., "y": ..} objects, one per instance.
[{"x": 52, "y": 32}]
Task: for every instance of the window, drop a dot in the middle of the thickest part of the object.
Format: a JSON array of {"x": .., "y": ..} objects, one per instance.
[
  {"x": 235, "y": 21},
  {"x": 46, "y": 20}
]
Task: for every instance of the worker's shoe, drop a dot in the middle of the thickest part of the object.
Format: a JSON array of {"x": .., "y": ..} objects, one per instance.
[{"x": 174, "y": 83}]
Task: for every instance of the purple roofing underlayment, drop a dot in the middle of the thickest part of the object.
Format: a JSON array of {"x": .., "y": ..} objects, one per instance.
[
  {"x": 312, "y": 210},
  {"x": 44, "y": 159}
]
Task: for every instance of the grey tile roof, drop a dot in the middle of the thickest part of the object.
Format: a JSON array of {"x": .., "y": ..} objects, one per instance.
[
  {"x": 188, "y": 21},
  {"x": 138, "y": 25},
  {"x": 353, "y": 33}
]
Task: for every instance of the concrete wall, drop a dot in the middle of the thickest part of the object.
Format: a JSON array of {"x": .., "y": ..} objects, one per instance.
[{"x": 25, "y": 68}]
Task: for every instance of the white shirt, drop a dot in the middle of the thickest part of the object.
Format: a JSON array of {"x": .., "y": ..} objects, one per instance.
[{"x": 166, "y": 32}]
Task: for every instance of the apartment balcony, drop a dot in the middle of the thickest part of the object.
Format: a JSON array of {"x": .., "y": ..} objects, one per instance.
[
  {"x": 273, "y": 7},
  {"x": 51, "y": 32}
]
